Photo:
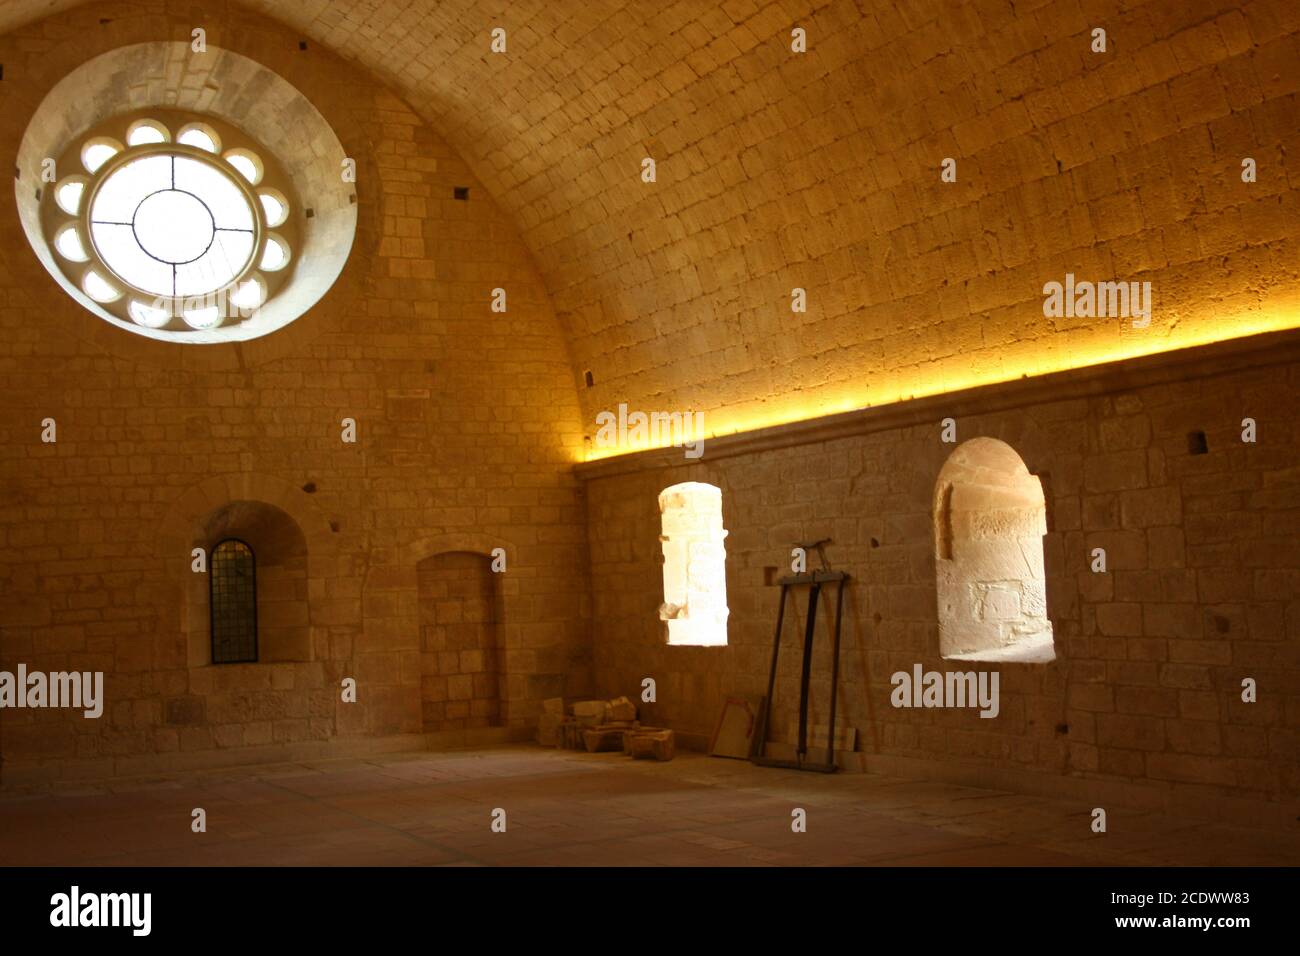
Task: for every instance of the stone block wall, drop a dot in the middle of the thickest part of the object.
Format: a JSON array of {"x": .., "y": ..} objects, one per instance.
[
  {"x": 821, "y": 170},
  {"x": 467, "y": 428},
  {"x": 460, "y": 634},
  {"x": 776, "y": 171},
  {"x": 1202, "y": 587}
]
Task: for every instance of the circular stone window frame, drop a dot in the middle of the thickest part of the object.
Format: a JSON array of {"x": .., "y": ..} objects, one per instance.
[
  {"x": 132, "y": 301},
  {"x": 295, "y": 126}
]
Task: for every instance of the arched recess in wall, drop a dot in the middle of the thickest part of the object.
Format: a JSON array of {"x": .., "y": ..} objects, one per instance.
[
  {"x": 278, "y": 550},
  {"x": 464, "y": 598},
  {"x": 462, "y": 649},
  {"x": 290, "y": 540},
  {"x": 989, "y": 523}
]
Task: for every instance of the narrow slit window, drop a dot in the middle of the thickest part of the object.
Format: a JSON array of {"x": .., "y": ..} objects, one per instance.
[
  {"x": 232, "y": 576},
  {"x": 695, "y": 574}
]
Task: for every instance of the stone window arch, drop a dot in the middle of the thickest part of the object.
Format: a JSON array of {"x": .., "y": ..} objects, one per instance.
[
  {"x": 264, "y": 547},
  {"x": 695, "y": 578},
  {"x": 172, "y": 223},
  {"x": 989, "y": 521},
  {"x": 174, "y": 211}
]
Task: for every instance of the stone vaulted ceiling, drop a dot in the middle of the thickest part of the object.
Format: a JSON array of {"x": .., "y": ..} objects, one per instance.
[{"x": 820, "y": 170}]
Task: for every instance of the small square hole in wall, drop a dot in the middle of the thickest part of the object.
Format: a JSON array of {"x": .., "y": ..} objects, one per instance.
[
  {"x": 1197, "y": 444},
  {"x": 302, "y": 44},
  {"x": 311, "y": 213},
  {"x": 589, "y": 379},
  {"x": 460, "y": 192}
]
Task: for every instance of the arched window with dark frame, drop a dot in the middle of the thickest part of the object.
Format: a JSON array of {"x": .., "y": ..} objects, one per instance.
[{"x": 233, "y": 602}]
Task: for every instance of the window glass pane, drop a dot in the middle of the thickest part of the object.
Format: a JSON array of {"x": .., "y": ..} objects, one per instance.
[
  {"x": 204, "y": 317},
  {"x": 196, "y": 137},
  {"x": 126, "y": 187},
  {"x": 159, "y": 222},
  {"x": 148, "y": 315},
  {"x": 143, "y": 134},
  {"x": 249, "y": 295},
  {"x": 69, "y": 195},
  {"x": 234, "y": 603},
  {"x": 247, "y": 168},
  {"x": 121, "y": 253},
  {"x": 224, "y": 200},
  {"x": 97, "y": 155},
  {"x": 69, "y": 245},
  {"x": 99, "y": 289},
  {"x": 224, "y": 260},
  {"x": 274, "y": 255},
  {"x": 276, "y": 211}
]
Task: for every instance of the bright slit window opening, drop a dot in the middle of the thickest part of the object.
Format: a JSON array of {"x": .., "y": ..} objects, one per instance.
[{"x": 695, "y": 578}]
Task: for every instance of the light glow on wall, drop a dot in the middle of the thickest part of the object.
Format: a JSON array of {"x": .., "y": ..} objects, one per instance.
[{"x": 955, "y": 374}]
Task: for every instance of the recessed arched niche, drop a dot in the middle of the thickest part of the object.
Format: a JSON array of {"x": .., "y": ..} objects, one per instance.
[
  {"x": 280, "y": 574},
  {"x": 989, "y": 522},
  {"x": 462, "y": 648}
]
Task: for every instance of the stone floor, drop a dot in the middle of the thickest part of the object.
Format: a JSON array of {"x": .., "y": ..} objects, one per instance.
[{"x": 568, "y": 808}]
